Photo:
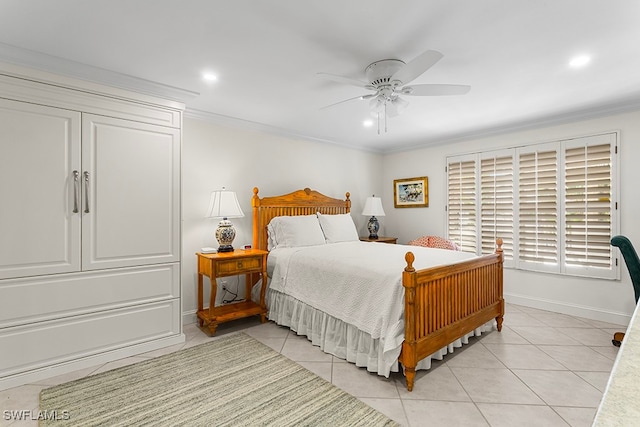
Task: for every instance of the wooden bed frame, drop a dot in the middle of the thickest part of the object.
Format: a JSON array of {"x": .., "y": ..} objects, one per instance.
[{"x": 442, "y": 303}]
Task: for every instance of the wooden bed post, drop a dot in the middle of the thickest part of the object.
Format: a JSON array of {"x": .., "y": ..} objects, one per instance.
[
  {"x": 499, "y": 251},
  {"x": 255, "y": 204},
  {"x": 409, "y": 357}
]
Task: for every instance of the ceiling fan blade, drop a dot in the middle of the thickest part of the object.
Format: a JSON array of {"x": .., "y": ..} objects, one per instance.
[
  {"x": 417, "y": 66},
  {"x": 361, "y": 97},
  {"x": 434, "y": 90},
  {"x": 345, "y": 80}
]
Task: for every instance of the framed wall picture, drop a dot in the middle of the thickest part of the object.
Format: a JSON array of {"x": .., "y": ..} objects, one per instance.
[{"x": 411, "y": 192}]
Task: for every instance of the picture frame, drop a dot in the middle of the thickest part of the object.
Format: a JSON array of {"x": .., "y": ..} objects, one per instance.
[{"x": 411, "y": 192}]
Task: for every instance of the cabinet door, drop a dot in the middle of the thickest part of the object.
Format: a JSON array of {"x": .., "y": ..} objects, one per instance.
[
  {"x": 39, "y": 152},
  {"x": 131, "y": 185}
]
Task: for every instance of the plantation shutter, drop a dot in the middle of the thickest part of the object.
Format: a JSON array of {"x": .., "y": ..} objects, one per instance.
[
  {"x": 588, "y": 203},
  {"x": 538, "y": 213},
  {"x": 461, "y": 204},
  {"x": 553, "y": 204},
  {"x": 496, "y": 203}
]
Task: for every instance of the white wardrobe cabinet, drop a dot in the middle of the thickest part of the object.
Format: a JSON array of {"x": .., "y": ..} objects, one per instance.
[{"x": 89, "y": 228}]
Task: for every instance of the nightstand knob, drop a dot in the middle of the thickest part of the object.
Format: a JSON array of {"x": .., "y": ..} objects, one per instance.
[{"x": 239, "y": 264}]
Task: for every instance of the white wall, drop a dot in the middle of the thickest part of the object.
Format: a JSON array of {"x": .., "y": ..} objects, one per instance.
[
  {"x": 611, "y": 301},
  {"x": 214, "y": 156}
]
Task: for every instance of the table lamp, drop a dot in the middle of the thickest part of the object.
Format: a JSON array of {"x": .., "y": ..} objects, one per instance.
[
  {"x": 224, "y": 204},
  {"x": 373, "y": 207}
]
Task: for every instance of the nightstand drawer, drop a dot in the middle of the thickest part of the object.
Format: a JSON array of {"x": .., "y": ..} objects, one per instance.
[{"x": 238, "y": 266}]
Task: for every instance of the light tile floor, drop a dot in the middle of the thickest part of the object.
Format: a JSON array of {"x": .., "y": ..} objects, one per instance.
[{"x": 543, "y": 369}]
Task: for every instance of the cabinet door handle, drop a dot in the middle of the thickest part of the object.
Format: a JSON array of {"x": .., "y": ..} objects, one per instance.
[
  {"x": 86, "y": 192},
  {"x": 76, "y": 191}
]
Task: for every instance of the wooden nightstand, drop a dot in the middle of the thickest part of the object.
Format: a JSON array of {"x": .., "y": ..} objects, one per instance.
[
  {"x": 380, "y": 239},
  {"x": 248, "y": 262}
]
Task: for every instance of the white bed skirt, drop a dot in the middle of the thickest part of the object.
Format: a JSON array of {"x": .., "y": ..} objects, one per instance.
[{"x": 345, "y": 341}]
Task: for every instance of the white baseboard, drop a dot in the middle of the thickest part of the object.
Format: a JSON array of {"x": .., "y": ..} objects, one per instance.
[
  {"x": 31, "y": 376},
  {"x": 189, "y": 317},
  {"x": 593, "y": 313}
]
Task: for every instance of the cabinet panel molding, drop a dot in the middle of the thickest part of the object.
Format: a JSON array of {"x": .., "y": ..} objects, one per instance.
[
  {"x": 57, "y": 341},
  {"x": 39, "y": 153},
  {"x": 32, "y": 300},
  {"x": 133, "y": 193}
]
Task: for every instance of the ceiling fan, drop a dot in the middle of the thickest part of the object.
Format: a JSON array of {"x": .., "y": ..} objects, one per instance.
[{"x": 388, "y": 79}]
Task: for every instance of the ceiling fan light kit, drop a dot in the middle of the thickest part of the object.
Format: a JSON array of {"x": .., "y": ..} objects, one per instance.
[{"x": 388, "y": 78}]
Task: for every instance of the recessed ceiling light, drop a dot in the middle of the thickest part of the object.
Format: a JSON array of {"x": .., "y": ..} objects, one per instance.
[
  {"x": 209, "y": 77},
  {"x": 367, "y": 123},
  {"x": 580, "y": 61}
]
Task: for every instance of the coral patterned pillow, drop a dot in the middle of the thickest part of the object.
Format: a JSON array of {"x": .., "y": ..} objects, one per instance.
[
  {"x": 420, "y": 241},
  {"x": 434, "y": 242},
  {"x": 442, "y": 243}
]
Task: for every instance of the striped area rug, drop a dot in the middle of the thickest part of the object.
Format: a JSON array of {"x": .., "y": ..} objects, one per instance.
[{"x": 231, "y": 381}]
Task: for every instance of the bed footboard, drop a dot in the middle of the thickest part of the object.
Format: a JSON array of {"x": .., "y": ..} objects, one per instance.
[{"x": 444, "y": 303}]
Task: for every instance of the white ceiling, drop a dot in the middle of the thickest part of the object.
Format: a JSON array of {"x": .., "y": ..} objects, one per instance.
[{"x": 513, "y": 53}]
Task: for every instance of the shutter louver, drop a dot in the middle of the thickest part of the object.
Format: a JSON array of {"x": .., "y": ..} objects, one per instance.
[
  {"x": 462, "y": 204},
  {"x": 496, "y": 204}
]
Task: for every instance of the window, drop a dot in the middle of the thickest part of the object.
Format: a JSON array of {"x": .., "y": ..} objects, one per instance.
[{"x": 553, "y": 204}]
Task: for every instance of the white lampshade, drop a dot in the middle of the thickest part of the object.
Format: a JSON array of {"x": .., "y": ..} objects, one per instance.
[
  {"x": 224, "y": 204},
  {"x": 373, "y": 207}
]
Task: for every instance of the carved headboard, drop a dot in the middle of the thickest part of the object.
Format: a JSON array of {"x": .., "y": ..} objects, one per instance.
[{"x": 301, "y": 202}]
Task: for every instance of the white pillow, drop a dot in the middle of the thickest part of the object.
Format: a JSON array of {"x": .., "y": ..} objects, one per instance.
[
  {"x": 338, "y": 228},
  {"x": 271, "y": 236},
  {"x": 294, "y": 231}
]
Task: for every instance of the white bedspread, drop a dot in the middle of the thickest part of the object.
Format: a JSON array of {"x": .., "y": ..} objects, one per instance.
[{"x": 359, "y": 283}]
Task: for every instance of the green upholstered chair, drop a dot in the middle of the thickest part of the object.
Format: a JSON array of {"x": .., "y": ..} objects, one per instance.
[{"x": 633, "y": 265}]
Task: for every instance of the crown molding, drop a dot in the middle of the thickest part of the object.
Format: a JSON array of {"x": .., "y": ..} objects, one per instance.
[
  {"x": 63, "y": 67},
  {"x": 593, "y": 112},
  {"x": 248, "y": 125}
]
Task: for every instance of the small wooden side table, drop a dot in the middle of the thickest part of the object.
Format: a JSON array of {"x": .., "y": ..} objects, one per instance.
[
  {"x": 240, "y": 261},
  {"x": 380, "y": 239}
]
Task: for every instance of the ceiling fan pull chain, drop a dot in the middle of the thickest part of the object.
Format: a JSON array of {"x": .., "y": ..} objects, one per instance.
[{"x": 385, "y": 116}]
